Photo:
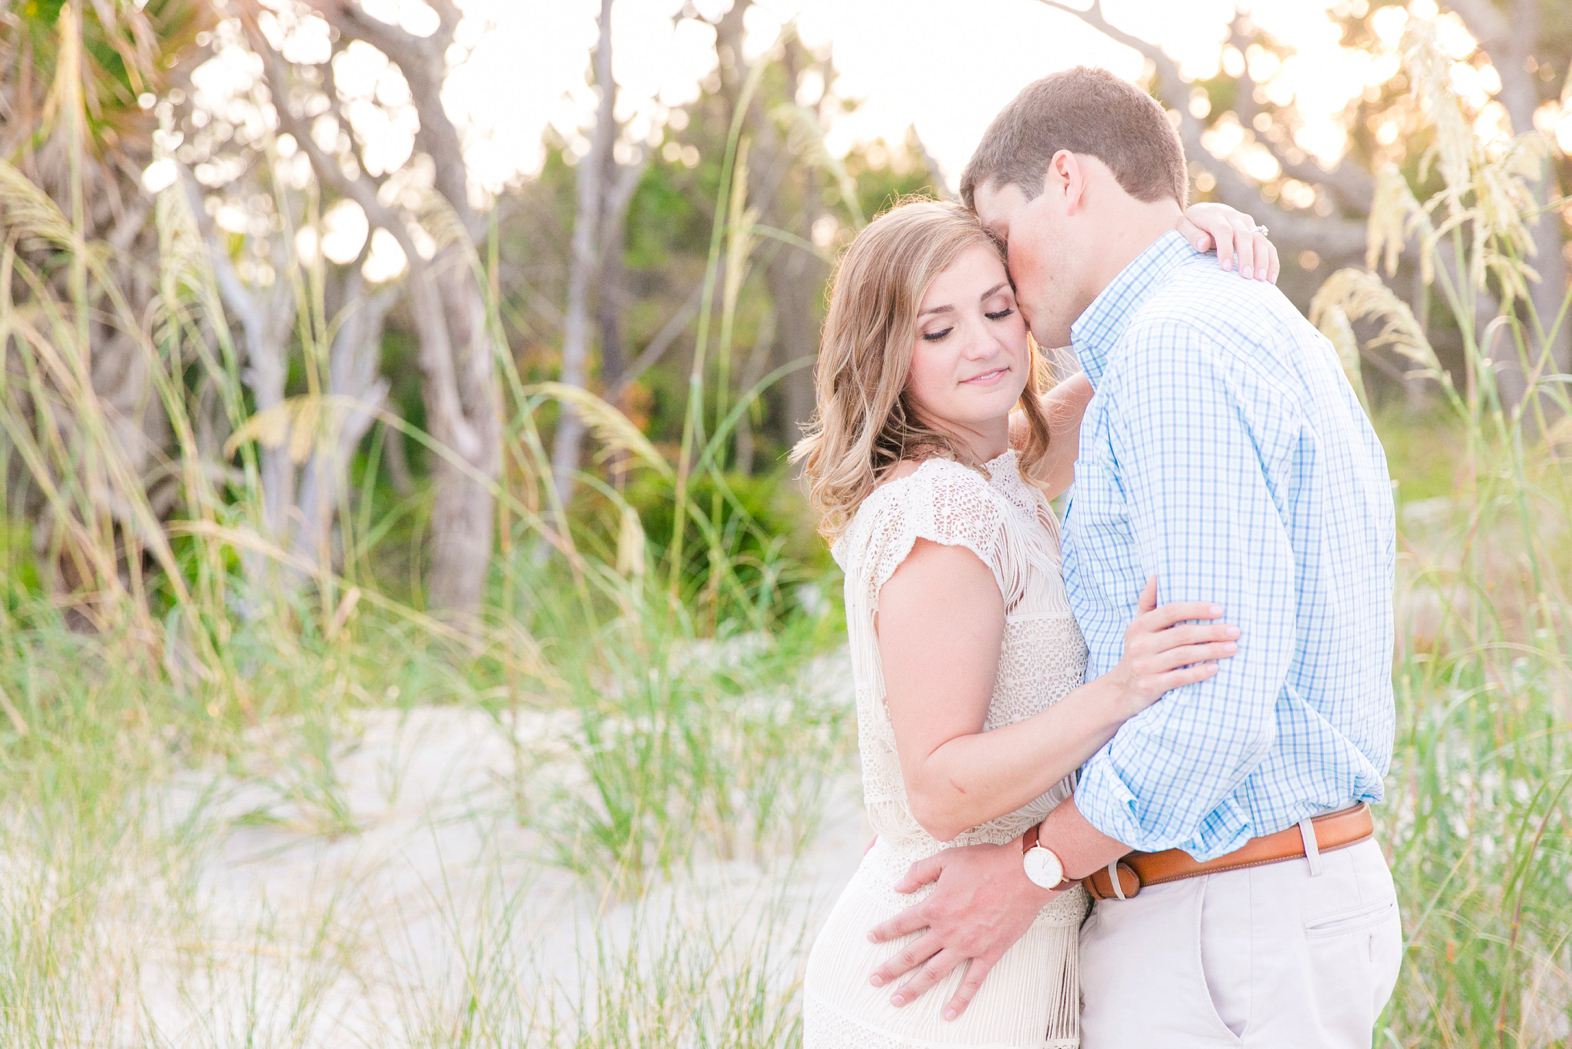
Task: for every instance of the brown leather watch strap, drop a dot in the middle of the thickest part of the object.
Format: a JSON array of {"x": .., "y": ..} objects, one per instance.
[
  {"x": 1333, "y": 830},
  {"x": 1029, "y": 842}
]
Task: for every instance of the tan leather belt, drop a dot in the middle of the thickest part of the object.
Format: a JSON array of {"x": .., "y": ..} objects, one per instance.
[{"x": 1333, "y": 830}]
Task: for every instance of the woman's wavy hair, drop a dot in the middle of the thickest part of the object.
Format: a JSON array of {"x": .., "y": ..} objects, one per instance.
[{"x": 864, "y": 423}]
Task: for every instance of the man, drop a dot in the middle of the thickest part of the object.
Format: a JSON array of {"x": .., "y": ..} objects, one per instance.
[{"x": 1224, "y": 453}]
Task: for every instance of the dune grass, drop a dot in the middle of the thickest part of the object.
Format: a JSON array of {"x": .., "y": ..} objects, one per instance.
[{"x": 597, "y": 816}]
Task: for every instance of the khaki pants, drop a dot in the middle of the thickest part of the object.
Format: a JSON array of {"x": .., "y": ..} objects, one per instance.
[{"x": 1271, "y": 957}]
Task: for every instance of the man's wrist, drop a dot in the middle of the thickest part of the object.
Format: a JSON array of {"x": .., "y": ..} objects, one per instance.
[
  {"x": 1081, "y": 847},
  {"x": 1041, "y": 865}
]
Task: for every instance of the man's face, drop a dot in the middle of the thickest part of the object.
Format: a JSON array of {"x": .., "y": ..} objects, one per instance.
[{"x": 1035, "y": 231}]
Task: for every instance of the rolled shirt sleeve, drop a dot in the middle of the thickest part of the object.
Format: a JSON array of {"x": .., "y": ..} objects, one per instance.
[{"x": 1198, "y": 451}]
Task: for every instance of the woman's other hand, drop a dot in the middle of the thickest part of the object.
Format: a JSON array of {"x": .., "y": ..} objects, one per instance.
[
  {"x": 1236, "y": 237},
  {"x": 1163, "y": 650}
]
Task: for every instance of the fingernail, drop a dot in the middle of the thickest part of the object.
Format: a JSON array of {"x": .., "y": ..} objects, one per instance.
[
  {"x": 872, "y": 938},
  {"x": 949, "y": 1014},
  {"x": 897, "y": 1000},
  {"x": 1232, "y": 631},
  {"x": 1216, "y": 610},
  {"x": 1230, "y": 647},
  {"x": 876, "y": 980},
  {"x": 1228, "y": 264},
  {"x": 1246, "y": 272},
  {"x": 1200, "y": 245}
]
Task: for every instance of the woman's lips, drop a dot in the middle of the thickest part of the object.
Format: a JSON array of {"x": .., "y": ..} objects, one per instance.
[{"x": 986, "y": 378}]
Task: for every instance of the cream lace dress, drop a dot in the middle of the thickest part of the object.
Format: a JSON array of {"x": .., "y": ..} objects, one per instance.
[{"x": 1032, "y": 997}]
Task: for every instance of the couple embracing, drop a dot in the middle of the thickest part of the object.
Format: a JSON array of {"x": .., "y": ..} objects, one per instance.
[{"x": 1118, "y": 769}]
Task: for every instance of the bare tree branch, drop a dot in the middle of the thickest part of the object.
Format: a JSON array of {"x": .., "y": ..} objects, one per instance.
[
  {"x": 659, "y": 344},
  {"x": 423, "y": 62},
  {"x": 1352, "y": 185},
  {"x": 591, "y": 193},
  {"x": 1332, "y": 237}
]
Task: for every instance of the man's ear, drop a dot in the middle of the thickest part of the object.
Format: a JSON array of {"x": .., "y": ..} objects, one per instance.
[{"x": 1069, "y": 178}]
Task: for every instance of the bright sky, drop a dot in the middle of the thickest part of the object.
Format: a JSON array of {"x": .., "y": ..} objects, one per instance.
[{"x": 943, "y": 66}]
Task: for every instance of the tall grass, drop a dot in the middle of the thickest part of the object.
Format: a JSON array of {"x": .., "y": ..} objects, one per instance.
[
  {"x": 223, "y": 826},
  {"x": 195, "y": 852},
  {"x": 1479, "y": 816}
]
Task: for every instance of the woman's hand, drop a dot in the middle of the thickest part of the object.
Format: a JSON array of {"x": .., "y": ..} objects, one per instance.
[
  {"x": 1160, "y": 655},
  {"x": 1235, "y": 235}
]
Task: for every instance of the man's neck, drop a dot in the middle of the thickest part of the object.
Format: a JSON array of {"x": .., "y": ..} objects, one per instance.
[{"x": 1125, "y": 233}]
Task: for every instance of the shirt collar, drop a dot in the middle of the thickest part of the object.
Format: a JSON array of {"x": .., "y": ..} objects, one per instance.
[{"x": 1096, "y": 332}]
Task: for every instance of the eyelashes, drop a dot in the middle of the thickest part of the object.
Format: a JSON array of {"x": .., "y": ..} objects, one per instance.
[{"x": 938, "y": 336}]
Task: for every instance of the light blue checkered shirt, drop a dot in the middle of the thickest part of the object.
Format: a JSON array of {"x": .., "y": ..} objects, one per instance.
[{"x": 1225, "y": 453}]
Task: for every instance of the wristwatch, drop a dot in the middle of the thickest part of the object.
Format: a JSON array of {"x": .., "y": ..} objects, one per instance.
[{"x": 1043, "y": 866}]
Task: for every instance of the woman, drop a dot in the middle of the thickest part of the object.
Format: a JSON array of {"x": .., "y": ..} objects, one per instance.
[{"x": 972, "y": 715}]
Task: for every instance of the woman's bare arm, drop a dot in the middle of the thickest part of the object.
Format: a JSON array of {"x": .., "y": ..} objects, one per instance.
[
  {"x": 1064, "y": 405},
  {"x": 940, "y": 627}
]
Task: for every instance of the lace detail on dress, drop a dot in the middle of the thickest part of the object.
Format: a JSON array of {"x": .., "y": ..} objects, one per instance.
[
  {"x": 1031, "y": 999},
  {"x": 1008, "y": 524},
  {"x": 826, "y": 1025}
]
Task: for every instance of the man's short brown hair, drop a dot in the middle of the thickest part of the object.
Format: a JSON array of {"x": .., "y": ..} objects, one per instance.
[{"x": 1088, "y": 111}]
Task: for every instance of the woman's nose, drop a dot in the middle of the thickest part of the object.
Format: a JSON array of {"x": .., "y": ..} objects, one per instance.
[{"x": 981, "y": 345}]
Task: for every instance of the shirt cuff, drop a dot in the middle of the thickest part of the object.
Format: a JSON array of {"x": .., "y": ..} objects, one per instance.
[{"x": 1108, "y": 803}]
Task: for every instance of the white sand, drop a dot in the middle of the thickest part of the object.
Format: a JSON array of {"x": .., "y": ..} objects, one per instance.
[{"x": 379, "y": 937}]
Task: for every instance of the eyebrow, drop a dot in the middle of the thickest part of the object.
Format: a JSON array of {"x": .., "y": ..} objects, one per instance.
[{"x": 951, "y": 309}]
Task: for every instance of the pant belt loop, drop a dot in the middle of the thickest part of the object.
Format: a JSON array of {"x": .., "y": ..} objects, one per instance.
[
  {"x": 1312, "y": 847},
  {"x": 1113, "y": 876}
]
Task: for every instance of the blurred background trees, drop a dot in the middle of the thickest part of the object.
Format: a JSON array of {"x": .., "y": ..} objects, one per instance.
[
  {"x": 289, "y": 301},
  {"x": 1239, "y": 130}
]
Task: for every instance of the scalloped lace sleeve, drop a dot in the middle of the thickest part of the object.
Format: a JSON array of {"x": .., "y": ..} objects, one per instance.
[{"x": 942, "y": 502}]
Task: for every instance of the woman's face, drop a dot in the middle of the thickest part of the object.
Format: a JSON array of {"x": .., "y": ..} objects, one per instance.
[{"x": 970, "y": 357}]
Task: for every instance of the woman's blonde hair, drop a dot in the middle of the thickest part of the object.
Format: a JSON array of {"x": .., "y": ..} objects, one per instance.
[{"x": 864, "y": 424}]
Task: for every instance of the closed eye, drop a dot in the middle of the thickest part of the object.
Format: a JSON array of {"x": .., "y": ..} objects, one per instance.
[
  {"x": 1000, "y": 315},
  {"x": 935, "y": 336}
]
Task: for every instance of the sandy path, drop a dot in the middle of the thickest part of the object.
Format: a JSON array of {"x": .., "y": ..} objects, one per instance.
[{"x": 443, "y": 911}]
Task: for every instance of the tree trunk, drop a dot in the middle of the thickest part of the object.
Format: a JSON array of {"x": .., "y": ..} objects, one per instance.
[
  {"x": 353, "y": 365},
  {"x": 590, "y": 193},
  {"x": 463, "y": 415}
]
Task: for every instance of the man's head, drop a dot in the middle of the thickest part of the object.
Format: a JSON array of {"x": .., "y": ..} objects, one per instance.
[{"x": 1079, "y": 173}]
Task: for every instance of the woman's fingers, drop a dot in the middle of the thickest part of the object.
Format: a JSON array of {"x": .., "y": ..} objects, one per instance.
[
  {"x": 1184, "y": 676},
  {"x": 1193, "y": 233},
  {"x": 1177, "y": 612},
  {"x": 1244, "y": 247},
  {"x": 1147, "y": 602},
  {"x": 1185, "y": 655},
  {"x": 1225, "y": 248},
  {"x": 1265, "y": 256},
  {"x": 1194, "y": 634}
]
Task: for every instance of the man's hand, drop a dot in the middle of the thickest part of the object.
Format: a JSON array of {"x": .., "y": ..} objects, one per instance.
[{"x": 981, "y": 905}]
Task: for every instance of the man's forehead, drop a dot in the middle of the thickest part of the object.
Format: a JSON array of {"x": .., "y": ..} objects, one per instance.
[{"x": 997, "y": 205}]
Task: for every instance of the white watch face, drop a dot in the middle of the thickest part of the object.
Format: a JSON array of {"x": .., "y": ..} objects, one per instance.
[{"x": 1043, "y": 867}]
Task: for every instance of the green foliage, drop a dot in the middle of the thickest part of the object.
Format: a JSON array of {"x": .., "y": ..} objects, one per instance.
[{"x": 751, "y": 537}]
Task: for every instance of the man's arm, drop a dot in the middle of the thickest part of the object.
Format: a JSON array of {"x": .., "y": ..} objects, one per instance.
[
  {"x": 982, "y": 904},
  {"x": 1201, "y": 447},
  {"x": 1202, "y": 515}
]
